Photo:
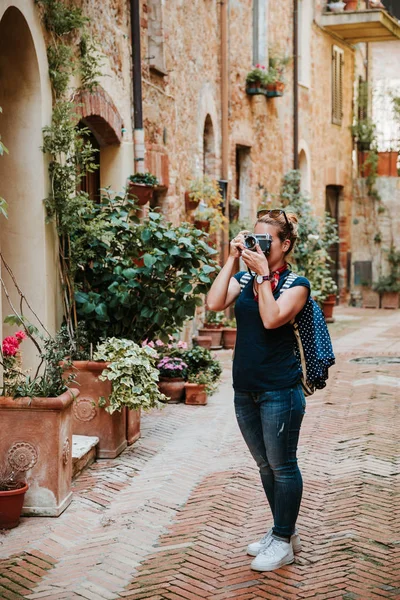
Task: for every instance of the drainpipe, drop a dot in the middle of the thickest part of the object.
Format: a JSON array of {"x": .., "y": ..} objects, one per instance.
[
  {"x": 138, "y": 133},
  {"x": 224, "y": 118},
  {"x": 295, "y": 87}
]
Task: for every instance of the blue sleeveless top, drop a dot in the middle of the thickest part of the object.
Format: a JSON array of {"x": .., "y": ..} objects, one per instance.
[{"x": 264, "y": 359}]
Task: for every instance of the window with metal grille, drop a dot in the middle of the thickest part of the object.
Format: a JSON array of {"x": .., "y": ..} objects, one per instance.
[{"x": 337, "y": 85}]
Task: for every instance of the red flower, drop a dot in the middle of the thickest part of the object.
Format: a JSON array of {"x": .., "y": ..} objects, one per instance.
[
  {"x": 10, "y": 346},
  {"x": 20, "y": 335},
  {"x": 257, "y": 66}
]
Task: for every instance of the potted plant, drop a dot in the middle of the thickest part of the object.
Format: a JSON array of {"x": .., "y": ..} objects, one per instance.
[
  {"x": 229, "y": 334},
  {"x": 141, "y": 186},
  {"x": 208, "y": 215},
  {"x": 35, "y": 414},
  {"x": 202, "y": 189},
  {"x": 336, "y": 6},
  {"x": 203, "y": 374},
  {"x": 388, "y": 286},
  {"x": 12, "y": 493},
  {"x": 256, "y": 81},
  {"x": 172, "y": 378},
  {"x": 277, "y": 63},
  {"x": 213, "y": 327}
]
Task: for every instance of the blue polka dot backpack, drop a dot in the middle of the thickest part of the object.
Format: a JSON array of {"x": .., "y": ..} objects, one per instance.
[{"x": 313, "y": 350}]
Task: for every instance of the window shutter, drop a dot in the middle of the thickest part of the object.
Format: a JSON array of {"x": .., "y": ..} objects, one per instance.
[{"x": 337, "y": 85}]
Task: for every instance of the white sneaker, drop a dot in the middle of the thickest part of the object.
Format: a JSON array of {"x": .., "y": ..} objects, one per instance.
[
  {"x": 256, "y": 547},
  {"x": 275, "y": 555}
]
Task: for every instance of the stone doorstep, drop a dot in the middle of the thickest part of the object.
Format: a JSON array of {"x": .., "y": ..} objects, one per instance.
[{"x": 83, "y": 453}]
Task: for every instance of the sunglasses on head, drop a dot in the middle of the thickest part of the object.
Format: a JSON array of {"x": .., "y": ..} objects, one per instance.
[{"x": 274, "y": 214}]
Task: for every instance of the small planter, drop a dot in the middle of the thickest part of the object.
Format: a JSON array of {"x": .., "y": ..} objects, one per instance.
[
  {"x": 370, "y": 299},
  {"x": 173, "y": 388},
  {"x": 387, "y": 164},
  {"x": 11, "y": 503},
  {"x": 351, "y": 4},
  {"x": 275, "y": 89},
  {"x": 88, "y": 418},
  {"x": 204, "y": 341},
  {"x": 36, "y": 437},
  {"x": 255, "y": 89},
  {"x": 195, "y": 394},
  {"x": 327, "y": 308},
  {"x": 214, "y": 334},
  {"x": 336, "y": 7},
  {"x": 189, "y": 203},
  {"x": 390, "y": 300},
  {"x": 229, "y": 337},
  {"x": 144, "y": 193},
  {"x": 203, "y": 225},
  {"x": 132, "y": 426}
]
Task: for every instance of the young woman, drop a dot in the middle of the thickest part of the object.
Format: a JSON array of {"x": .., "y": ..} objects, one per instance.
[{"x": 269, "y": 400}]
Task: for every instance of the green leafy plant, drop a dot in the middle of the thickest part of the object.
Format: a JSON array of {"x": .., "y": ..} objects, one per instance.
[
  {"x": 231, "y": 323},
  {"x": 258, "y": 75},
  {"x": 133, "y": 375},
  {"x": 144, "y": 178},
  {"x": 202, "y": 364},
  {"x": 277, "y": 63},
  {"x": 316, "y": 235},
  {"x": 141, "y": 280},
  {"x": 205, "y": 189},
  {"x": 391, "y": 281}
]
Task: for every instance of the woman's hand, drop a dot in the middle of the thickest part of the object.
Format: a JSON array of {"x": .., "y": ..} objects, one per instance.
[
  {"x": 256, "y": 261},
  {"x": 237, "y": 244}
]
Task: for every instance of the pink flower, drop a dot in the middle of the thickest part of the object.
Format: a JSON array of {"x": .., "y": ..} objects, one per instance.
[
  {"x": 257, "y": 66},
  {"x": 151, "y": 344},
  {"x": 182, "y": 345},
  {"x": 10, "y": 346},
  {"x": 159, "y": 343},
  {"x": 20, "y": 335}
]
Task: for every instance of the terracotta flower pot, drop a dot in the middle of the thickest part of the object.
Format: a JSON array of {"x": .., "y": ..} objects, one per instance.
[
  {"x": 229, "y": 337},
  {"x": 132, "y": 426},
  {"x": 143, "y": 193},
  {"x": 215, "y": 334},
  {"x": 204, "y": 341},
  {"x": 36, "y": 437},
  {"x": 173, "y": 388},
  {"x": 351, "y": 4},
  {"x": 203, "y": 225},
  {"x": 11, "y": 503},
  {"x": 195, "y": 394},
  {"x": 370, "y": 299},
  {"x": 189, "y": 203},
  {"x": 328, "y": 306},
  {"x": 390, "y": 300},
  {"x": 88, "y": 418}
]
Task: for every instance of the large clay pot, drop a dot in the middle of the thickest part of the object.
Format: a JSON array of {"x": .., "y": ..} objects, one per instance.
[
  {"x": 173, "y": 388},
  {"x": 370, "y": 299},
  {"x": 195, "y": 394},
  {"x": 36, "y": 437},
  {"x": 204, "y": 341},
  {"x": 11, "y": 507},
  {"x": 215, "y": 334},
  {"x": 132, "y": 426},
  {"x": 327, "y": 308},
  {"x": 390, "y": 300},
  {"x": 144, "y": 193},
  {"x": 88, "y": 418},
  {"x": 229, "y": 337}
]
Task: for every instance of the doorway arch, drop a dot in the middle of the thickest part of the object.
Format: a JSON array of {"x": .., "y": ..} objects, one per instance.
[
  {"x": 22, "y": 171},
  {"x": 209, "y": 157}
]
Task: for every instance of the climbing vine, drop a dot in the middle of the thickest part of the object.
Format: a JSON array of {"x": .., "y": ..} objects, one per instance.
[{"x": 71, "y": 51}]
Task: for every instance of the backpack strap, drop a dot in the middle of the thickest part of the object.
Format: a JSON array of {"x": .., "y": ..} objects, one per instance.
[
  {"x": 244, "y": 280},
  {"x": 288, "y": 282}
]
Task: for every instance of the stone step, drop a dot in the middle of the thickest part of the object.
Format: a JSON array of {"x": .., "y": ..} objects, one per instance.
[{"x": 83, "y": 453}]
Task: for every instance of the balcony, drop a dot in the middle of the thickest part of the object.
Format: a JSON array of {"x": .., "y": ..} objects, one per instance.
[{"x": 362, "y": 26}]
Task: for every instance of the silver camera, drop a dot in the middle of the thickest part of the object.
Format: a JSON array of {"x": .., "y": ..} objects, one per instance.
[{"x": 264, "y": 240}]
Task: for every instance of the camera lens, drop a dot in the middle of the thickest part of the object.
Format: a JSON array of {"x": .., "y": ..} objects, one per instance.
[{"x": 250, "y": 242}]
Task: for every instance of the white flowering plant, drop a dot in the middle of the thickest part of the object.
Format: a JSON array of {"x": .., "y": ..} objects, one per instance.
[{"x": 133, "y": 374}]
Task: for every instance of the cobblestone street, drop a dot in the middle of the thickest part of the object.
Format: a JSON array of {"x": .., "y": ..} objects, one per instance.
[{"x": 171, "y": 517}]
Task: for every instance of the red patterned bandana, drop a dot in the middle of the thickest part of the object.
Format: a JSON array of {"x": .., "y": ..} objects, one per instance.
[{"x": 274, "y": 282}]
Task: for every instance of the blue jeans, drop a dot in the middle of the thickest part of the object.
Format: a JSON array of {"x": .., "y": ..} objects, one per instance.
[{"x": 270, "y": 424}]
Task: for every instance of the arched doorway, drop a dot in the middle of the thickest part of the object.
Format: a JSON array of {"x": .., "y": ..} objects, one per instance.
[
  {"x": 304, "y": 172},
  {"x": 22, "y": 172},
  {"x": 209, "y": 162}
]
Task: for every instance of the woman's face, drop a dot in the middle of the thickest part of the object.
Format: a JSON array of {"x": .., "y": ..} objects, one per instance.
[{"x": 278, "y": 248}]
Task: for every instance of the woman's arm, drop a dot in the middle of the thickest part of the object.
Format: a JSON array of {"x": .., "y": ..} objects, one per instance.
[{"x": 225, "y": 288}]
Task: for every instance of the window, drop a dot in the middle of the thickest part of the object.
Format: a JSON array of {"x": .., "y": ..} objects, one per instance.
[
  {"x": 156, "y": 36},
  {"x": 304, "y": 22},
  {"x": 260, "y": 32},
  {"x": 337, "y": 85}
]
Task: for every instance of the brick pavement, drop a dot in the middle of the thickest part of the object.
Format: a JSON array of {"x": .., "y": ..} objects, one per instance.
[{"x": 171, "y": 517}]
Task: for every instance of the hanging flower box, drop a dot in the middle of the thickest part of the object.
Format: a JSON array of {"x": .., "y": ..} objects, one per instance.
[{"x": 275, "y": 89}]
